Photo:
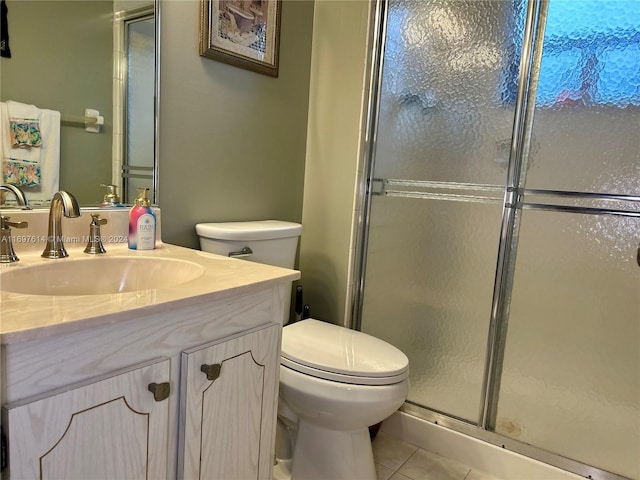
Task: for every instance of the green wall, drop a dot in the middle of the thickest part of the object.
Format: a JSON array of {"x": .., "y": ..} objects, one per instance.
[
  {"x": 332, "y": 203},
  {"x": 232, "y": 141}
]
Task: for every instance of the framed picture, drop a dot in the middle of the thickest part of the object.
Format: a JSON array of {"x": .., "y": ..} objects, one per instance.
[{"x": 244, "y": 33}]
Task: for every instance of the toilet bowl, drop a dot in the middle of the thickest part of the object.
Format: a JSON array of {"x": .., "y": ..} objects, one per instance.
[
  {"x": 337, "y": 382},
  {"x": 334, "y": 382}
]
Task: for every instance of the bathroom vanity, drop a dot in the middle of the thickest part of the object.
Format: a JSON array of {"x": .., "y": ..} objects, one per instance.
[{"x": 179, "y": 380}]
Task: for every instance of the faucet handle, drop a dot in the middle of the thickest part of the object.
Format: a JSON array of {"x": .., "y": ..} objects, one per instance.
[
  {"x": 5, "y": 223},
  {"x": 7, "y": 254},
  {"x": 95, "y": 219},
  {"x": 94, "y": 246}
]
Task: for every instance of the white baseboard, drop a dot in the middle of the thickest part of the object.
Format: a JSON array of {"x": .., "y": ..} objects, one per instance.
[{"x": 475, "y": 453}]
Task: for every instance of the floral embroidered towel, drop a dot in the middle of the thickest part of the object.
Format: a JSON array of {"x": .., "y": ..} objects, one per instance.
[
  {"x": 21, "y": 172},
  {"x": 25, "y": 132},
  {"x": 30, "y": 165},
  {"x": 24, "y": 125}
]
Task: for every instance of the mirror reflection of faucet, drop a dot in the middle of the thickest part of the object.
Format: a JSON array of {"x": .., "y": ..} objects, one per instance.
[{"x": 21, "y": 198}]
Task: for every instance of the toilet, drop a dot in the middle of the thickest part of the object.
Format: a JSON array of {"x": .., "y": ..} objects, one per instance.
[{"x": 334, "y": 382}]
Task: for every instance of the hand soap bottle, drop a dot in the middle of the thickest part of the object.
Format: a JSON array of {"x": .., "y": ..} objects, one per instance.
[
  {"x": 111, "y": 198},
  {"x": 142, "y": 223}
]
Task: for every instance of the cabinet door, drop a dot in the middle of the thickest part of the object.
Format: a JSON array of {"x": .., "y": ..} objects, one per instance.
[
  {"x": 109, "y": 428},
  {"x": 228, "y": 407}
]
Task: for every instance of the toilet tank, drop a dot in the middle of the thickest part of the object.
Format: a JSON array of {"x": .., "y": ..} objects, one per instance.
[{"x": 273, "y": 242}]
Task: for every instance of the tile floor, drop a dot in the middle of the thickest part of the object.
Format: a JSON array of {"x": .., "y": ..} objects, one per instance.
[{"x": 398, "y": 460}]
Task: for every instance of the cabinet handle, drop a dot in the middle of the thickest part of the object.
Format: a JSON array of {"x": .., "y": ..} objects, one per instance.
[
  {"x": 212, "y": 371},
  {"x": 160, "y": 391}
]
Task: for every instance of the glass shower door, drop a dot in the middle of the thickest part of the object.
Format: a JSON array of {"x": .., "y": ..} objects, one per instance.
[
  {"x": 571, "y": 369},
  {"x": 570, "y": 378},
  {"x": 442, "y": 150},
  {"x": 464, "y": 164}
]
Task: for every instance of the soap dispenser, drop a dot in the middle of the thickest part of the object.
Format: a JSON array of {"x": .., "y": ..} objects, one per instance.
[
  {"x": 142, "y": 223},
  {"x": 111, "y": 198}
]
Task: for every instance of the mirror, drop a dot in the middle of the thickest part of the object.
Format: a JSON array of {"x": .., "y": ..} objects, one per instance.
[{"x": 101, "y": 55}]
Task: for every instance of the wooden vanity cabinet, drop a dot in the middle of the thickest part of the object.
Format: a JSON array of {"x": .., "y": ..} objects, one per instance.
[
  {"x": 188, "y": 393},
  {"x": 108, "y": 428},
  {"x": 225, "y": 411}
]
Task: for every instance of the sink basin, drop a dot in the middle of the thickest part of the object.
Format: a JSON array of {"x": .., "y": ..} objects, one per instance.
[{"x": 97, "y": 276}]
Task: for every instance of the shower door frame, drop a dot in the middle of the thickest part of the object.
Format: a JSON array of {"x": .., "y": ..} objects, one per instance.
[{"x": 513, "y": 205}]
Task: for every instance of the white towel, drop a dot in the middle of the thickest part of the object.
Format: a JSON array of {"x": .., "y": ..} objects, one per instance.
[
  {"x": 48, "y": 155},
  {"x": 22, "y": 110}
]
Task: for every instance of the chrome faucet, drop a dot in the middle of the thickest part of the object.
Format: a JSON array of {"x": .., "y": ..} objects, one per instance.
[
  {"x": 95, "y": 247},
  {"x": 21, "y": 198},
  {"x": 7, "y": 254},
  {"x": 62, "y": 202}
]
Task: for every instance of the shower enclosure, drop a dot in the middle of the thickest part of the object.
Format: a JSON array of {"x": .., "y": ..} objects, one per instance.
[{"x": 502, "y": 221}]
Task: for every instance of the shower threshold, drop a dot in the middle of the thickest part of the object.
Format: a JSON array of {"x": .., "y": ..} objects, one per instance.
[{"x": 466, "y": 442}]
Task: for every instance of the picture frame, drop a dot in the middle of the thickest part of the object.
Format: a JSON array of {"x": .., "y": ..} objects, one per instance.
[{"x": 243, "y": 33}]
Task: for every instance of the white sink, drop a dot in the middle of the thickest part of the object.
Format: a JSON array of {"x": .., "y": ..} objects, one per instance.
[{"x": 98, "y": 276}]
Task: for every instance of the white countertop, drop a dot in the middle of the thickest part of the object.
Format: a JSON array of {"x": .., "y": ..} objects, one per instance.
[{"x": 27, "y": 317}]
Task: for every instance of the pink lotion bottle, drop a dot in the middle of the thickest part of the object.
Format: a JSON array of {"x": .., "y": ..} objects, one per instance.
[{"x": 142, "y": 223}]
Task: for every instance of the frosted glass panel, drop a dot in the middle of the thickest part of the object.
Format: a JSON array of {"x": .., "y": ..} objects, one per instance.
[
  {"x": 429, "y": 282},
  {"x": 570, "y": 380},
  {"x": 585, "y": 135},
  {"x": 140, "y": 106},
  {"x": 447, "y": 74}
]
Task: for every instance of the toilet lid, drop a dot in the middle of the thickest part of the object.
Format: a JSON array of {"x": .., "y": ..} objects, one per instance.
[
  {"x": 336, "y": 353},
  {"x": 243, "y": 231}
]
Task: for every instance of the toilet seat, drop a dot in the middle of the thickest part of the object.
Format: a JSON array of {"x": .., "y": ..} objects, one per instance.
[{"x": 335, "y": 353}]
